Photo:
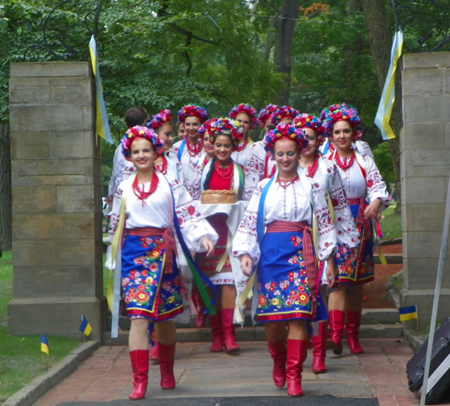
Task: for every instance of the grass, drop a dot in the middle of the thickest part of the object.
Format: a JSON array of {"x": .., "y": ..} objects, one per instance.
[
  {"x": 391, "y": 224},
  {"x": 20, "y": 357}
]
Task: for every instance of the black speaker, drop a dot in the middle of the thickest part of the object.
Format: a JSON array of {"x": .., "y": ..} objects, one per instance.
[{"x": 439, "y": 376}]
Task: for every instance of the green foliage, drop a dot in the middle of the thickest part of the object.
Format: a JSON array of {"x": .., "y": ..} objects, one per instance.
[
  {"x": 391, "y": 224},
  {"x": 21, "y": 359},
  {"x": 333, "y": 64},
  {"x": 383, "y": 160}
]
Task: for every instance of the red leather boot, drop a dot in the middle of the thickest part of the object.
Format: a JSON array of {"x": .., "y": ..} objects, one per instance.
[
  {"x": 278, "y": 351},
  {"x": 296, "y": 355},
  {"x": 216, "y": 332},
  {"x": 166, "y": 361},
  {"x": 228, "y": 331},
  {"x": 320, "y": 349},
  {"x": 200, "y": 307},
  {"x": 336, "y": 320},
  {"x": 352, "y": 328},
  {"x": 139, "y": 364}
]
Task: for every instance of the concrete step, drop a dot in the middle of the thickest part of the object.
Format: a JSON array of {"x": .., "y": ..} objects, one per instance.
[
  {"x": 194, "y": 335},
  {"x": 390, "y": 258},
  {"x": 376, "y": 323},
  {"x": 369, "y": 316}
]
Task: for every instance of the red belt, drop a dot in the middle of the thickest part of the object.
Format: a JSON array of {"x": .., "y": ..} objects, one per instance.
[
  {"x": 360, "y": 219},
  {"x": 307, "y": 247},
  {"x": 169, "y": 242}
]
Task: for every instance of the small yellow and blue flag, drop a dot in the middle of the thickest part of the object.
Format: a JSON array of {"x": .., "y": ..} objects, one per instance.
[
  {"x": 85, "y": 327},
  {"x": 44, "y": 345},
  {"x": 408, "y": 313}
]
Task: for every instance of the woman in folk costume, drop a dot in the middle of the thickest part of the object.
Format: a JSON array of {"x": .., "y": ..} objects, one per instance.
[
  {"x": 245, "y": 115},
  {"x": 167, "y": 163},
  {"x": 207, "y": 155},
  {"x": 222, "y": 184},
  {"x": 275, "y": 232},
  {"x": 326, "y": 182},
  {"x": 367, "y": 196},
  {"x": 146, "y": 209},
  {"x": 261, "y": 164},
  {"x": 190, "y": 148},
  {"x": 284, "y": 114}
]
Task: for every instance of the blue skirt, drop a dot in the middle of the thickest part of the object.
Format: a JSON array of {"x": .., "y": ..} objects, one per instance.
[
  {"x": 150, "y": 291},
  {"x": 361, "y": 270},
  {"x": 283, "y": 288}
]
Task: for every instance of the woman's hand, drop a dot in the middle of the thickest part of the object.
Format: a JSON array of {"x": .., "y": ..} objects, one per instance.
[
  {"x": 246, "y": 265},
  {"x": 209, "y": 246},
  {"x": 371, "y": 211},
  {"x": 331, "y": 278}
]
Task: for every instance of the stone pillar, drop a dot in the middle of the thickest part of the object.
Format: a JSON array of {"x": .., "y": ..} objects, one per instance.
[
  {"x": 425, "y": 169},
  {"x": 56, "y": 199}
]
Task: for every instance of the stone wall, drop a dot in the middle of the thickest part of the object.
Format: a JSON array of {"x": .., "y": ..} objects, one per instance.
[
  {"x": 56, "y": 199},
  {"x": 425, "y": 169}
]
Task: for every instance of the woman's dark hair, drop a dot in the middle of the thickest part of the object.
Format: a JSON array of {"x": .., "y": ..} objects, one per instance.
[{"x": 209, "y": 174}]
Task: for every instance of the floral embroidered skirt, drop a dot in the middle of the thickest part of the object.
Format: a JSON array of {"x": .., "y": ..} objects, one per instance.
[
  {"x": 149, "y": 291},
  {"x": 362, "y": 269},
  {"x": 208, "y": 265},
  {"x": 283, "y": 288}
]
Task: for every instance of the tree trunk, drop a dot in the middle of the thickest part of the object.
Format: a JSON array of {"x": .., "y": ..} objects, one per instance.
[
  {"x": 380, "y": 36},
  {"x": 285, "y": 26},
  {"x": 5, "y": 189}
]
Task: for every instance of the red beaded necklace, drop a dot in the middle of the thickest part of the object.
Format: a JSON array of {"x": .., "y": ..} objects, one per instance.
[
  {"x": 224, "y": 173},
  {"x": 344, "y": 166},
  {"x": 141, "y": 194},
  {"x": 240, "y": 147},
  {"x": 194, "y": 149},
  {"x": 313, "y": 168},
  {"x": 162, "y": 167},
  {"x": 285, "y": 183}
]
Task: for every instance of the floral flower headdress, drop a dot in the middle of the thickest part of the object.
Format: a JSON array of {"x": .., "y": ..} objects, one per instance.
[
  {"x": 224, "y": 126},
  {"x": 285, "y": 131},
  {"x": 244, "y": 108},
  {"x": 341, "y": 112},
  {"x": 282, "y": 112},
  {"x": 136, "y": 132},
  {"x": 163, "y": 117},
  {"x": 308, "y": 121},
  {"x": 265, "y": 114},
  {"x": 191, "y": 110}
]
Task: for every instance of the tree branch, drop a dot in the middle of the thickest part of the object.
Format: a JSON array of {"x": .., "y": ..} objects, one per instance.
[{"x": 190, "y": 35}]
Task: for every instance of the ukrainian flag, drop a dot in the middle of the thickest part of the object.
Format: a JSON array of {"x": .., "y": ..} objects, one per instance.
[
  {"x": 85, "y": 327},
  {"x": 408, "y": 313},
  {"x": 44, "y": 345}
]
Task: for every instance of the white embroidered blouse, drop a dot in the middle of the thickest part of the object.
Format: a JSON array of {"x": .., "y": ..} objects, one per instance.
[
  {"x": 286, "y": 204},
  {"x": 155, "y": 211},
  {"x": 327, "y": 179}
]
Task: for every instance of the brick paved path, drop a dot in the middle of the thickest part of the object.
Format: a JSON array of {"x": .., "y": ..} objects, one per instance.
[{"x": 380, "y": 373}]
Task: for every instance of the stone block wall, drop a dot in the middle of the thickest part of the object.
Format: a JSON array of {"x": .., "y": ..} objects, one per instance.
[
  {"x": 56, "y": 199},
  {"x": 425, "y": 169}
]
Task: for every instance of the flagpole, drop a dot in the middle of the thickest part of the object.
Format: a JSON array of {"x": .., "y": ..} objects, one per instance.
[{"x": 436, "y": 297}]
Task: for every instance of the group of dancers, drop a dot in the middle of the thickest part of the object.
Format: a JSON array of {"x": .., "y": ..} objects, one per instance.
[{"x": 290, "y": 219}]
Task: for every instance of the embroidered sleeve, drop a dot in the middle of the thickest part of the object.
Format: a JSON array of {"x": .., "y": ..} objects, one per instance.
[
  {"x": 193, "y": 225},
  {"x": 246, "y": 238},
  {"x": 326, "y": 232},
  {"x": 114, "y": 214},
  {"x": 376, "y": 188}
]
